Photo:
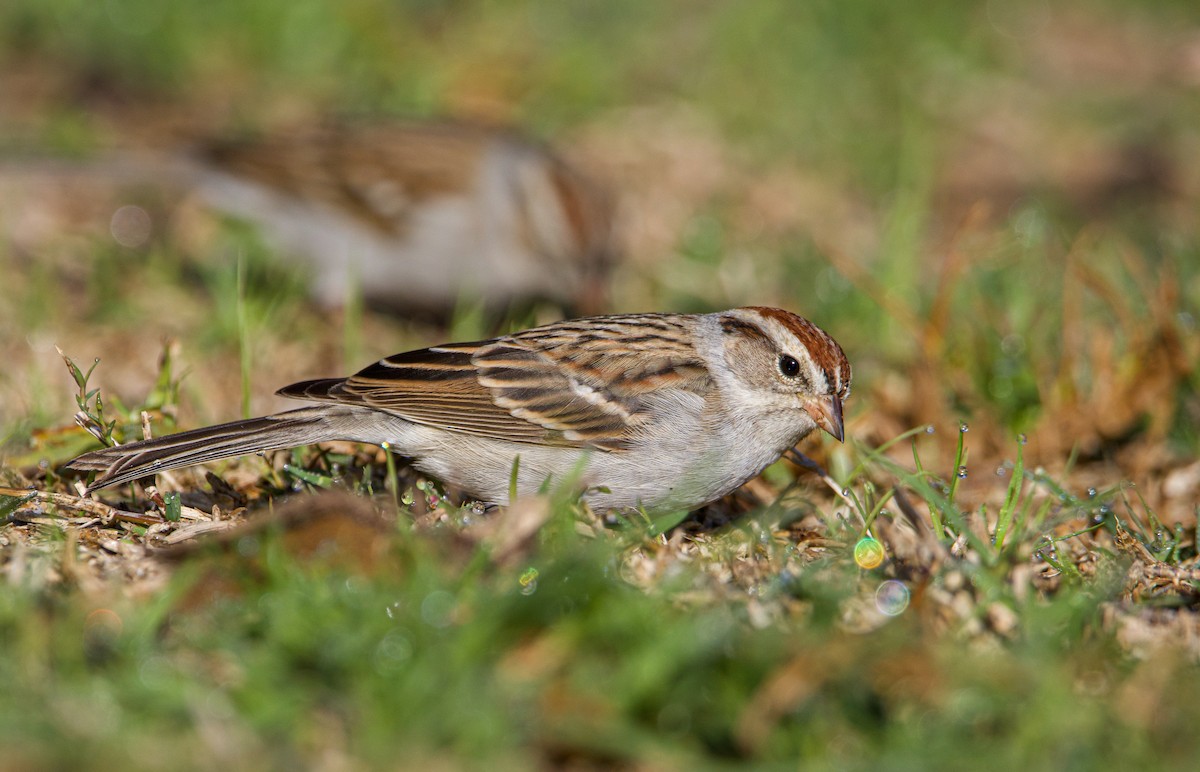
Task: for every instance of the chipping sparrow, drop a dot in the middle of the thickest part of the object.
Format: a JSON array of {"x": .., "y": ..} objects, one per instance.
[
  {"x": 665, "y": 411},
  {"x": 419, "y": 214}
]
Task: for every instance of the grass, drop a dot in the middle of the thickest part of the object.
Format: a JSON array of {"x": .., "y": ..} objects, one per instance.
[
  {"x": 439, "y": 648},
  {"x": 995, "y": 227}
]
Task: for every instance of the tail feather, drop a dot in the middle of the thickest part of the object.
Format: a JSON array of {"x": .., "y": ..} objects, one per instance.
[{"x": 124, "y": 463}]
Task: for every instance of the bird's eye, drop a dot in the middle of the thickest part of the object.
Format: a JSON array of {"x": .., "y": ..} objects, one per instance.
[{"x": 789, "y": 366}]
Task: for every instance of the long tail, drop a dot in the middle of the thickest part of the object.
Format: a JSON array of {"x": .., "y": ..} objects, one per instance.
[{"x": 123, "y": 463}]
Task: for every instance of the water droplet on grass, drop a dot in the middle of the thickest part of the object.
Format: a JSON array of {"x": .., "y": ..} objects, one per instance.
[
  {"x": 1022, "y": 439},
  {"x": 962, "y": 473},
  {"x": 929, "y": 429},
  {"x": 963, "y": 428}
]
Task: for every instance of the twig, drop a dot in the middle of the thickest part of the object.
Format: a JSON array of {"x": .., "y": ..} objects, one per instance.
[
  {"x": 107, "y": 514},
  {"x": 801, "y": 460}
]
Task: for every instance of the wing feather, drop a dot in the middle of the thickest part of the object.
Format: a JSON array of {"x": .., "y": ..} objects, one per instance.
[{"x": 579, "y": 384}]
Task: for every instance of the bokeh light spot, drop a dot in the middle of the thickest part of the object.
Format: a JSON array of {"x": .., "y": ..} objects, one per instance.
[
  {"x": 869, "y": 553},
  {"x": 891, "y": 598},
  {"x": 528, "y": 581},
  {"x": 105, "y": 620},
  {"x": 131, "y": 226}
]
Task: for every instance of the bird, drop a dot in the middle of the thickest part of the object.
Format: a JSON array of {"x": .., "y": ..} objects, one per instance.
[
  {"x": 418, "y": 214},
  {"x": 659, "y": 411}
]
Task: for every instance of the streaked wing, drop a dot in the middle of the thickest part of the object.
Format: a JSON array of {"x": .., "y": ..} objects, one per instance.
[
  {"x": 373, "y": 172},
  {"x": 582, "y": 383},
  {"x": 437, "y": 386},
  {"x": 593, "y": 380}
]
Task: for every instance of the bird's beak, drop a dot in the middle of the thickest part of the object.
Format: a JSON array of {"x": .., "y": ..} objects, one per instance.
[{"x": 827, "y": 412}]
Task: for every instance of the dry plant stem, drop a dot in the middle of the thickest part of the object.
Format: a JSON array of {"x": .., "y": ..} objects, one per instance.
[
  {"x": 89, "y": 426},
  {"x": 955, "y": 264},
  {"x": 804, "y": 461},
  {"x": 107, "y": 514}
]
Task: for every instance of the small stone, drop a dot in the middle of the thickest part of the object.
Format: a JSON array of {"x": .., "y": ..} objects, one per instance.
[{"x": 1002, "y": 619}]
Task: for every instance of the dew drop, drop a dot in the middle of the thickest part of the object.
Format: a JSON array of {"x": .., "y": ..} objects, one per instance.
[
  {"x": 845, "y": 492},
  {"x": 962, "y": 473},
  {"x": 1022, "y": 439},
  {"x": 963, "y": 428},
  {"x": 1001, "y": 471},
  {"x": 1091, "y": 493},
  {"x": 929, "y": 429}
]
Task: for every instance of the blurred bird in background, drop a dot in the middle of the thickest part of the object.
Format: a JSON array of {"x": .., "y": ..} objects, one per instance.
[
  {"x": 415, "y": 217},
  {"x": 420, "y": 215}
]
